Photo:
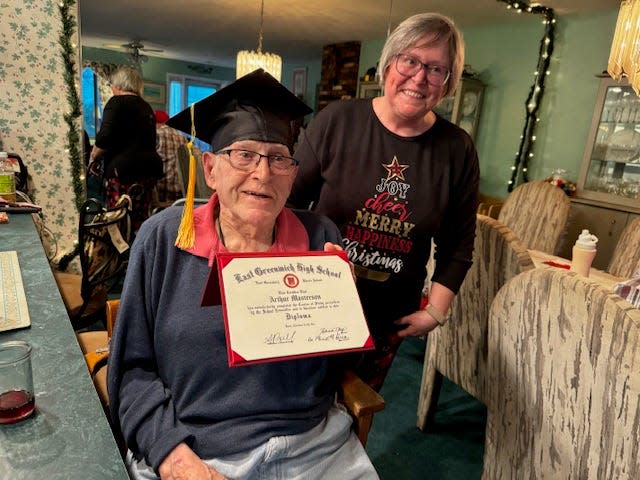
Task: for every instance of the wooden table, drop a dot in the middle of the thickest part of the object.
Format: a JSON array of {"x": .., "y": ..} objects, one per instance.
[
  {"x": 68, "y": 437},
  {"x": 546, "y": 260}
]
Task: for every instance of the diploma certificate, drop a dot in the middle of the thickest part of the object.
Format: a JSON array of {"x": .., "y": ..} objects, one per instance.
[{"x": 282, "y": 307}]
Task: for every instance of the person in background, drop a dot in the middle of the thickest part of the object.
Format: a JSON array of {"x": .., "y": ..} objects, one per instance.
[
  {"x": 125, "y": 145},
  {"x": 393, "y": 175},
  {"x": 182, "y": 411},
  {"x": 168, "y": 140}
]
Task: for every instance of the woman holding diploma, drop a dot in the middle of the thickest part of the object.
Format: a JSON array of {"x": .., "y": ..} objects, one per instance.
[{"x": 183, "y": 412}]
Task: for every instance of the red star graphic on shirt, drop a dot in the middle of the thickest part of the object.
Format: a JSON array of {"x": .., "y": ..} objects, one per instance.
[{"x": 395, "y": 169}]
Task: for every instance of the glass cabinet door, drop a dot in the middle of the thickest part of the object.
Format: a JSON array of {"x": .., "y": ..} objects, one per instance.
[
  {"x": 463, "y": 108},
  {"x": 611, "y": 166}
]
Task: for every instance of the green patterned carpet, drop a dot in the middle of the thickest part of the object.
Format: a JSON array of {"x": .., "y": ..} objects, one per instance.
[{"x": 453, "y": 449}]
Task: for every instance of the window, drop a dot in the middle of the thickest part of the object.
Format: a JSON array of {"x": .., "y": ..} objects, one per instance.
[
  {"x": 183, "y": 91},
  {"x": 91, "y": 102}
]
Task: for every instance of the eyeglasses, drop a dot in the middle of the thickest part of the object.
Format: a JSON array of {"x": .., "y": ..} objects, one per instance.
[
  {"x": 248, "y": 161},
  {"x": 406, "y": 65}
]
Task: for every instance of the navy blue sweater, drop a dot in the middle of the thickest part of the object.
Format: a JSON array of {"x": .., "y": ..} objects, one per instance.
[{"x": 169, "y": 380}]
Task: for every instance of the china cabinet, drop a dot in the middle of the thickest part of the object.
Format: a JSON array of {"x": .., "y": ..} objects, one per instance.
[
  {"x": 608, "y": 188},
  {"x": 463, "y": 108},
  {"x": 611, "y": 164}
]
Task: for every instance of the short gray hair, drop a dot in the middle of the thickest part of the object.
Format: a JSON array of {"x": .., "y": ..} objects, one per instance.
[
  {"x": 416, "y": 27},
  {"x": 127, "y": 79}
]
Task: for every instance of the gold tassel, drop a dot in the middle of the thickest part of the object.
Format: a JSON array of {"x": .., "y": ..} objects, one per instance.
[{"x": 186, "y": 230}]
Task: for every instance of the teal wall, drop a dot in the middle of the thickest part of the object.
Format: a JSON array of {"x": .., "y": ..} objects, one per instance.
[
  {"x": 506, "y": 62},
  {"x": 369, "y": 55},
  {"x": 505, "y": 56},
  {"x": 313, "y": 78}
]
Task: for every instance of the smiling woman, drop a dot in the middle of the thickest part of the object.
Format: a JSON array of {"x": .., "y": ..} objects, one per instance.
[{"x": 386, "y": 221}]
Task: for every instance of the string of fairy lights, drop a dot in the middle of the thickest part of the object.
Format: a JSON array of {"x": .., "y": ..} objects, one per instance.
[
  {"x": 69, "y": 53},
  {"x": 534, "y": 99}
]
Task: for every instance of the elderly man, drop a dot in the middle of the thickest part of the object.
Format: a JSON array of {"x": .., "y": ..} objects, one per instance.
[{"x": 183, "y": 412}]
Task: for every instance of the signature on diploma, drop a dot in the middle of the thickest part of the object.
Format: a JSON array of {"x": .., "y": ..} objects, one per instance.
[
  {"x": 335, "y": 334},
  {"x": 277, "y": 338}
]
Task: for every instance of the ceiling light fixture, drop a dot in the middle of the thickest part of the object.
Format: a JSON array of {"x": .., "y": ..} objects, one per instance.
[
  {"x": 624, "y": 59},
  {"x": 248, "y": 61}
]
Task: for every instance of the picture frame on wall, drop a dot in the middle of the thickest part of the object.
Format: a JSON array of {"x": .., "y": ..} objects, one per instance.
[
  {"x": 154, "y": 92},
  {"x": 299, "y": 82}
]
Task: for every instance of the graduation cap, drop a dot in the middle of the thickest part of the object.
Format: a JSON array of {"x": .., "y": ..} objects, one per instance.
[{"x": 254, "y": 107}]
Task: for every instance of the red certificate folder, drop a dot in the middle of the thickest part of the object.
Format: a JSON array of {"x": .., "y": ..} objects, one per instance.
[{"x": 285, "y": 306}]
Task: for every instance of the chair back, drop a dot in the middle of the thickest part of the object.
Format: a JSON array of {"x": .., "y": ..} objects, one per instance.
[
  {"x": 202, "y": 189},
  {"x": 564, "y": 402},
  {"x": 104, "y": 236},
  {"x": 458, "y": 349},
  {"x": 537, "y": 212},
  {"x": 625, "y": 260}
]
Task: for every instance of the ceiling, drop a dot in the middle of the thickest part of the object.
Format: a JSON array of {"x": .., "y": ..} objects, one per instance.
[{"x": 213, "y": 31}]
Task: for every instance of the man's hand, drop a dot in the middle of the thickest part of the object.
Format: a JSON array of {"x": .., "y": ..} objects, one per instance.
[{"x": 183, "y": 464}]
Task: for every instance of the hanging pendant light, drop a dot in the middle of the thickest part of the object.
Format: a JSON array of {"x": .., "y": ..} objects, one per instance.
[
  {"x": 624, "y": 59},
  {"x": 248, "y": 61}
]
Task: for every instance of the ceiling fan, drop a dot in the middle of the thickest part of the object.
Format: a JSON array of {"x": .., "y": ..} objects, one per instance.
[{"x": 136, "y": 50}]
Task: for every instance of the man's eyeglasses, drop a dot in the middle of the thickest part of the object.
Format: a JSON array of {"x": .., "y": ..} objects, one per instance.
[
  {"x": 248, "y": 161},
  {"x": 406, "y": 65}
]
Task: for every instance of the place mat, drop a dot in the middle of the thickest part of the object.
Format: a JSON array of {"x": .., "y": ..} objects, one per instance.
[{"x": 13, "y": 303}]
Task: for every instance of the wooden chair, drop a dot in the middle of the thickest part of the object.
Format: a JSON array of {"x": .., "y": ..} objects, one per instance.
[
  {"x": 564, "y": 402},
  {"x": 537, "y": 212},
  {"x": 360, "y": 400},
  {"x": 95, "y": 347},
  {"x": 625, "y": 260},
  {"x": 458, "y": 349},
  {"x": 489, "y": 206},
  {"x": 104, "y": 236}
]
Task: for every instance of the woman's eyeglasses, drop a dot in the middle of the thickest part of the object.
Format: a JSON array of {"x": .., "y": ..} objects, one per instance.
[
  {"x": 248, "y": 161},
  {"x": 406, "y": 65}
]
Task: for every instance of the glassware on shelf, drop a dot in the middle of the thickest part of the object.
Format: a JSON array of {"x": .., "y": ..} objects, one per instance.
[{"x": 610, "y": 170}]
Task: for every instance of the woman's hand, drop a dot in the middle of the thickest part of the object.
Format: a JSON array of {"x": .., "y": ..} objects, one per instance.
[
  {"x": 94, "y": 168},
  {"x": 417, "y": 324},
  {"x": 95, "y": 161},
  {"x": 183, "y": 464}
]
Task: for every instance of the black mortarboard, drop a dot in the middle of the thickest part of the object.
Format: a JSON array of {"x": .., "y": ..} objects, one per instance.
[{"x": 254, "y": 107}]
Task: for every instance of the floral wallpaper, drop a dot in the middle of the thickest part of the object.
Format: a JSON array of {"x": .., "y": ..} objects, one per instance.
[{"x": 33, "y": 101}]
